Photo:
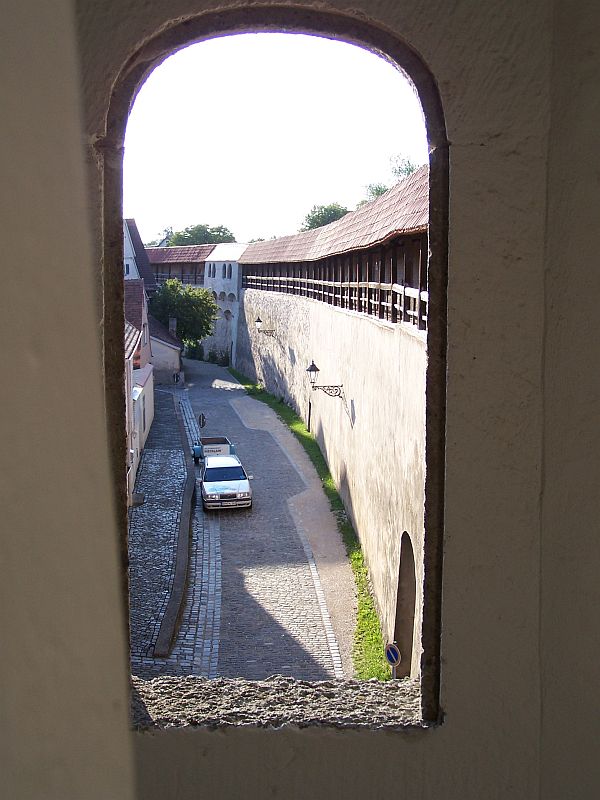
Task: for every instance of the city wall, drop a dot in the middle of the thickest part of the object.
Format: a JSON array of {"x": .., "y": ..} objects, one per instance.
[{"x": 373, "y": 437}]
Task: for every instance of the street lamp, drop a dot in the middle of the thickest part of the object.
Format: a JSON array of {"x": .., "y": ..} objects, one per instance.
[
  {"x": 259, "y": 327},
  {"x": 332, "y": 391}
]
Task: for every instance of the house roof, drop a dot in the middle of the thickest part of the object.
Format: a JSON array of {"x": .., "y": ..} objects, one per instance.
[
  {"x": 132, "y": 337},
  {"x": 227, "y": 251},
  {"x": 141, "y": 259},
  {"x": 134, "y": 302},
  {"x": 402, "y": 209},
  {"x": 189, "y": 254},
  {"x": 160, "y": 332}
]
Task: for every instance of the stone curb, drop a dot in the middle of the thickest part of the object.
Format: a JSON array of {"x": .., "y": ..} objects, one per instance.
[{"x": 168, "y": 626}]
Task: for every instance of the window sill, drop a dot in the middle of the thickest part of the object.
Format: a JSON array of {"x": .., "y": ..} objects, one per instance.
[{"x": 178, "y": 702}]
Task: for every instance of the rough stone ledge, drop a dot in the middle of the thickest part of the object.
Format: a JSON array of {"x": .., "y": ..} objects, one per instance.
[{"x": 170, "y": 702}]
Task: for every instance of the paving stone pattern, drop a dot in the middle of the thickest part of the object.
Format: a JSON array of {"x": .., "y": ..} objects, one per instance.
[
  {"x": 271, "y": 621},
  {"x": 153, "y": 527},
  {"x": 253, "y": 605}
]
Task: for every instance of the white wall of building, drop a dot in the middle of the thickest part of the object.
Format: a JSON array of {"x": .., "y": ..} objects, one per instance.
[
  {"x": 165, "y": 359},
  {"x": 130, "y": 270},
  {"x": 222, "y": 277}
]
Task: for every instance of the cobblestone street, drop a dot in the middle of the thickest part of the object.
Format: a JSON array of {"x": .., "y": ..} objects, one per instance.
[{"x": 254, "y": 603}]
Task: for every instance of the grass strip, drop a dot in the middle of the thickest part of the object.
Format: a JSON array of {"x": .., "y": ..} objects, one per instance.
[{"x": 368, "y": 648}]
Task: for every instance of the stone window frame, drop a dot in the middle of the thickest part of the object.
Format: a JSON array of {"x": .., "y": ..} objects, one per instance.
[{"x": 352, "y": 29}]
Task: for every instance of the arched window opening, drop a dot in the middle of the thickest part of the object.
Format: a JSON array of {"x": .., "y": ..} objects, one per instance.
[{"x": 323, "y": 275}]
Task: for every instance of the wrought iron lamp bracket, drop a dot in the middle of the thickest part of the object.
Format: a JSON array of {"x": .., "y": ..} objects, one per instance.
[{"x": 332, "y": 391}]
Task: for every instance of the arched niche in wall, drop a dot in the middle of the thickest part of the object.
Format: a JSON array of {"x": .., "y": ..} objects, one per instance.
[
  {"x": 108, "y": 153},
  {"x": 231, "y": 297},
  {"x": 406, "y": 598}
]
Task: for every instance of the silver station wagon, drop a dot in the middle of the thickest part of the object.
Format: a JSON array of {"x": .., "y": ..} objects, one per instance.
[{"x": 224, "y": 483}]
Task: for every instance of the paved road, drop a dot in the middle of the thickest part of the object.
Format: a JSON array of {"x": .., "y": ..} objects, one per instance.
[{"x": 255, "y": 604}]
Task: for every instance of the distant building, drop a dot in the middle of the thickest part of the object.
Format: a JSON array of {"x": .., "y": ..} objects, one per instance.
[
  {"x": 184, "y": 263},
  {"x": 223, "y": 278},
  {"x": 167, "y": 349},
  {"x": 139, "y": 376},
  {"x": 135, "y": 261}
]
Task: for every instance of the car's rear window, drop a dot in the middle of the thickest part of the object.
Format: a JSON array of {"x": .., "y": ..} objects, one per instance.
[{"x": 224, "y": 474}]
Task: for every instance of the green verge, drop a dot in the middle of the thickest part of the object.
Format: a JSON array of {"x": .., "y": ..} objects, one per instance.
[{"x": 368, "y": 649}]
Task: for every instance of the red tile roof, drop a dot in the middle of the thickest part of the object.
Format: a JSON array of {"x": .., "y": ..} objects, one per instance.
[
  {"x": 134, "y": 302},
  {"x": 159, "y": 331},
  {"x": 189, "y": 254},
  {"x": 132, "y": 337},
  {"x": 402, "y": 209}
]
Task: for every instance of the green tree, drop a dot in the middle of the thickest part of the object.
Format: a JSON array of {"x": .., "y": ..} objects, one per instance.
[
  {"x": 323, "y": 215},
  {"x": 201, "y": 234},
  {"x": 194, "y": 309},
  {"x": 373, "y": 190},
  {"x": 162, "y": 240},
  {"x": 402, "y": 167}
]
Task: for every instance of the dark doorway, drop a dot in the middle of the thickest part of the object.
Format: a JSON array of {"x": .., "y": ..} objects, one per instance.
[{"x": 405, "y": 606}]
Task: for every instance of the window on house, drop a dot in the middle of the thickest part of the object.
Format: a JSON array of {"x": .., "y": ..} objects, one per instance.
[{"x": 224, "y": 271}]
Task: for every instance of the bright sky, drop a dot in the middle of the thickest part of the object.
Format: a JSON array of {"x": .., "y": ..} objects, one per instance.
[{"x": 251, "y": 131}]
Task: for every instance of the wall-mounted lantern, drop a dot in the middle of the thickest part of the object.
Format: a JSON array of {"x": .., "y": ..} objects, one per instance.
[
  {"x": 313, "y": 374},
  {"x": 260, "y": 329}
]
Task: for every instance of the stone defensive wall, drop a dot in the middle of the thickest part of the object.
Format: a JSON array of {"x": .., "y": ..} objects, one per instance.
[{"x": 348, "y": 311}]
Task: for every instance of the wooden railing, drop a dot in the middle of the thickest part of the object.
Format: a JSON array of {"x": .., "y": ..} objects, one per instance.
[
  {"x": 388, "y": 282},
  {"x": 190, "y": 280},
  {"x": 389, "y": 301}
]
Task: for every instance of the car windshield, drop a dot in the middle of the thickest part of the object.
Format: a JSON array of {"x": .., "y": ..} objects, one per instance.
[{"x": 224, "y": 474}]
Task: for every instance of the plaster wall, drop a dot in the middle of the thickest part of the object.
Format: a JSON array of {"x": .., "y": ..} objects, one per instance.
[
  {"x": 223, "y": 339},
  {"x": 166, "y": 361},
  {"x": 519, "y": 87},
  {"x": 63, "y": 679},
  {"x": 129, "y": 255},
  {"x": 374, "y": 439}
]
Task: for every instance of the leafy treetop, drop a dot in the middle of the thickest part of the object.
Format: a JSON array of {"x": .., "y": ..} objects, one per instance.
[
  {"x": 374, "y": 190},
  {"x": 201, "y": 234},
  {"x": 194, "y": 309},
  {"x": 323, "y": 215},
  {"x": 402, "y": 167},
  {"x": 193, "y": 234}
]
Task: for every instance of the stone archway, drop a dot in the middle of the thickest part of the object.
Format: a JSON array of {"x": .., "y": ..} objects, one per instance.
[{"x": 108, "y": 155}]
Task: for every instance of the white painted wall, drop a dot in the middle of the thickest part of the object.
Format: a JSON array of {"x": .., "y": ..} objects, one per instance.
[
  {"x": 374, "y": 442},
  {"x": 222, "y": 276},
  {"x": 130, "y": 270},
  {"x": 165, "y": 359},
  {"x": 519, "y": 87}
]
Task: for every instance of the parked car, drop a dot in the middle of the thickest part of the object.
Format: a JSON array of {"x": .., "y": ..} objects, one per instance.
[
  {"x": 224, "y": 483},
  {"x": 211, "y": 446}
]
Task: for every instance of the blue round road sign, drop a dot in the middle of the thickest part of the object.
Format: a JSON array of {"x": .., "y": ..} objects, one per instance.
[{"x": 392, "y": 653}]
